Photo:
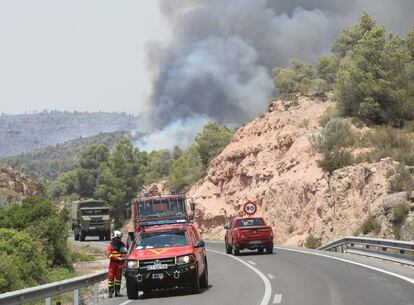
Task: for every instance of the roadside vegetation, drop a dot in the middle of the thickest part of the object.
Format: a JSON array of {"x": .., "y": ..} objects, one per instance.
[
  {"x": 369, "y": 225},
  {"x": 312, "y": 242},
  {"x": 33, "y": 237},
  {"x": 371, "y": 75}
]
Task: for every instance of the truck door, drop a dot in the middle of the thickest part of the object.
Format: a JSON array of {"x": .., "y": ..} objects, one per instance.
[
  {"x": 228, "y": 233},
  {"x": 199, "y": 252}
]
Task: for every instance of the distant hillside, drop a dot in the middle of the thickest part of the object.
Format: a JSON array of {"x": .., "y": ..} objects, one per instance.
[
  {"x": 51, "y": 161},
  {"x": 25, "y": 133}
]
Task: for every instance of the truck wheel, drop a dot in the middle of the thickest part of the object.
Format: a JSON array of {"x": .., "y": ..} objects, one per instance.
[
  {"x": 101, "y": 236},
  {"x": 77, "y": 236},
  {"x": 269, "y": 249},
  {"x": 228, "y": 248},
  {"x": 204, "y": 278},
  {"x": 195, "y": 283},
  {"x": 108, "y": 235},
  {"x": 236, "y": 250},
  {"x": 260, "y": 250},
  {"x": 82, "y": 236},
  {"x": 132, "y": 288}
]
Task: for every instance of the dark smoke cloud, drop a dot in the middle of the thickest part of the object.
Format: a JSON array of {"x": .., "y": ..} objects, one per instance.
[{"x": 218, "y": 63}]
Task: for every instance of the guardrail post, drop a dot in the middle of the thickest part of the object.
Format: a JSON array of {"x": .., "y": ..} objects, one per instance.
[
  {"x": 76, "y": 297},
  {"x": 47, "y": 301},
  {"x": 95, "y": 293}
]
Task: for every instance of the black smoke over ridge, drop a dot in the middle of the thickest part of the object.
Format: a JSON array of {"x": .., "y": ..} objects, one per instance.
[{"x": 218, "y": 62}]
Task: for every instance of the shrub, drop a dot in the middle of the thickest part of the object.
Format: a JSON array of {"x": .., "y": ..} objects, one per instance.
[
  {"x": 369, "y": 225},
  {"x": 312, "y": 243},
  {"x": 331, "y": 113},
  {"x": 399, "y": 214},
  {"x": 332, "y": 142},
  {"x": 23, "y": 264},
  {"x": 401, "y": 181}
]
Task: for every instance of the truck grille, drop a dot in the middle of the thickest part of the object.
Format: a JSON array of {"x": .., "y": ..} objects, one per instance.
[
  {"x": 96, "y": 222},
  {"x": 170, "y": 261}
]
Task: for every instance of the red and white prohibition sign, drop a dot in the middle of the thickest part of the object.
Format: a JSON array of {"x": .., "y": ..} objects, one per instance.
[{"x": 250, "y": 208}]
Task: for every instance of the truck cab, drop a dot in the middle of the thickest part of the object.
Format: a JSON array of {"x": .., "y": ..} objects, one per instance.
[
  {"x": 91, "y": 218},
  {"x": 165, "y": 249}
]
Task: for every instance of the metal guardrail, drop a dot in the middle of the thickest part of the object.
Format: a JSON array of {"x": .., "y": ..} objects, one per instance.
[
  {"x": 393, "y": 250},
  {"x": 49, "y": 290}
]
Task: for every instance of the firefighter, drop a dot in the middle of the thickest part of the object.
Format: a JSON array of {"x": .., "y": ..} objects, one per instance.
[{"x": 114, "y": 252}]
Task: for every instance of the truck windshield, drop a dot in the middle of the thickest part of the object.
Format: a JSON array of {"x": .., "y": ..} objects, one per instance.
[
  {"x": 161, "y": 240},
  {"x": 249, "y": 222},
  {"x": 161, "y": 207},
  {"x": 94, "y": 211}
]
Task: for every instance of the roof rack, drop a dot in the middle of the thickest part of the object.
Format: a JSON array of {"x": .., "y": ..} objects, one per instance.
[{"x": 163, "y": 222}]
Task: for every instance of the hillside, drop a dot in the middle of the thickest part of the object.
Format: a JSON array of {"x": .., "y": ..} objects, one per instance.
[
  {"x": 24, "y": 133},
  {"x": 271, "y": 160},
  {"x": 15, "y": 185},
  {"x": 51, "y": 161}
]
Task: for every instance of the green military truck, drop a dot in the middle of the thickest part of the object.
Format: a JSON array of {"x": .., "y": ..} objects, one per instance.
[{"x": 91, "y": 218}]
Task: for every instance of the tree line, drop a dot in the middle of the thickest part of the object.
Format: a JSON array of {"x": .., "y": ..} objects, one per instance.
[{"x": 118, "y": 175}]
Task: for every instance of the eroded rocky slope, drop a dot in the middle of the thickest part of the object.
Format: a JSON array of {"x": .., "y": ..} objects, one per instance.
[
  {"x": 271, "y": 160},
  {"x": 15, "y": 185}
]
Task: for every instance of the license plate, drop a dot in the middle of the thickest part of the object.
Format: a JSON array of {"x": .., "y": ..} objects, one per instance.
[
  {"x": 158, "y": 276},
  {"x": 255, "y": 242},
  {"x": 157, "y": 267}
]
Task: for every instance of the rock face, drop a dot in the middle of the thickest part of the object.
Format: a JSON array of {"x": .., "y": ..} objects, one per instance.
[
  {"x": 17, "y": 183},
  {"x": 271, "y": 161}
]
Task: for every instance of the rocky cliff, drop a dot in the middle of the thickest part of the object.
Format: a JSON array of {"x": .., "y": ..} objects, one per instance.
[
  {"x": 14, "y": 185},
  {"x": 271, "y": 161}
]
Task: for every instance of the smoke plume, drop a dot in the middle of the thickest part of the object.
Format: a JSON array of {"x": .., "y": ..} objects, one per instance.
[{"x": 219, "y": 60}]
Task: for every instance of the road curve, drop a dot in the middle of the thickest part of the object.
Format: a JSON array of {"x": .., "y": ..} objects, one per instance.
[{"x": 291, "y": 278}]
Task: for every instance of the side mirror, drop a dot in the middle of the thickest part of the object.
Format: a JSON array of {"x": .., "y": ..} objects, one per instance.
[
  {"x": 192, "y": 205},
  {"x": 200, "y": 244},
  {"x": 131, "y": 235},
  {"x": 226, "y": 227}
]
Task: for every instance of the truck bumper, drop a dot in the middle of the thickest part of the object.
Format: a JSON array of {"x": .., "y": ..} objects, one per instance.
[
  {"x": 255, "y": 244},
  {"x": 178, "y": 276}
]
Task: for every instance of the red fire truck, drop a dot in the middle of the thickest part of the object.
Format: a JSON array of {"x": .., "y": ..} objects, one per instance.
[{"x": 165, "y": 249}]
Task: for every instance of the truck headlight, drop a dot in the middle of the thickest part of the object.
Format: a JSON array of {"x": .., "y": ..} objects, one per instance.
[
  {"x": 185, "y": 259},
  {"x": 133, "y": 264}
]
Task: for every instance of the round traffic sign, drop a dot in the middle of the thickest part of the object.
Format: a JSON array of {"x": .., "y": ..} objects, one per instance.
[{"x": 250, "y": 207}]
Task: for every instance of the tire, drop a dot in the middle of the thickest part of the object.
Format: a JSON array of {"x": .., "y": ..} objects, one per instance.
[
  {"x": 236, "y": 250},
  {"x": 132, "y": 289},
  {"x": 260, "y": 250},
  {"x": 82, "y": 236},
  {"x": 77, "y": 236},
  {"x": 269, "y": 249},
  {"x": 195, "y": 283},
  {"x": 204, "y": 277},
  {"x": 101, "y": 236},
  {"x": 108, "y": 235},
  {"x": 228, "y": 248}
]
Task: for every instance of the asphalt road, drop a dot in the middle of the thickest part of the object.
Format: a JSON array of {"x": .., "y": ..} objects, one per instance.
[{"x": 292, "y": 278}]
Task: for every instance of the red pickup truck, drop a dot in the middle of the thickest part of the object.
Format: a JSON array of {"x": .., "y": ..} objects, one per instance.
[{"x": 248, "y": 233}]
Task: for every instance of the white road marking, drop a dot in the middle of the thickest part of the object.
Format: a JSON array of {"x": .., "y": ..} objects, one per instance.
[
  {"x": 402, "y": 277},
  {"x": 126, "y": 302},
  {"x": 277, "y": 299},
  {"x": 252, "y": 263},
  {"x": 268, "y": 287},
  {"x": 271, "y": 276}
]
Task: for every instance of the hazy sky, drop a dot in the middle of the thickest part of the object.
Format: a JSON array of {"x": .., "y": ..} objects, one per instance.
[{"x": 76, "y": 55}]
